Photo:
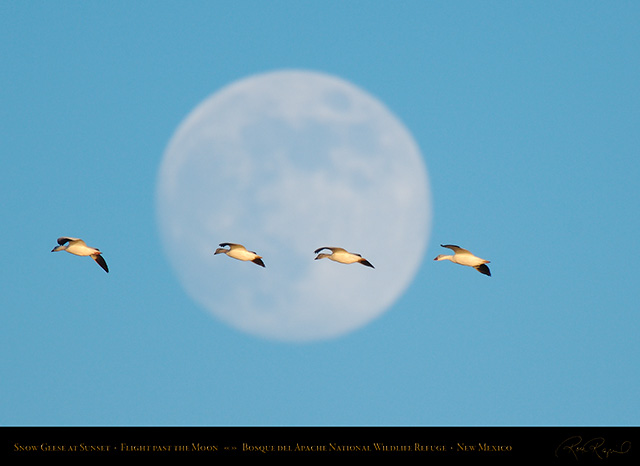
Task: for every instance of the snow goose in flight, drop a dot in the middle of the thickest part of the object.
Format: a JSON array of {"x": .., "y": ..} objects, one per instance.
[
  {"x": 342, "y": 256},
  {"x": 464, "y": 257},
  {"x": 79, "y": 248},
  {"x": 238, "y": 251}
]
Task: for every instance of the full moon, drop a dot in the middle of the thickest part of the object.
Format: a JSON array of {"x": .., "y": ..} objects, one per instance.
[{"x": 284, "y": 163}]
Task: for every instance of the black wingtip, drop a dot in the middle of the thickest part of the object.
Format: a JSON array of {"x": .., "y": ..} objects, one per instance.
[
  {"x": 484, "y": 269},
  {"x": 101, "y": 262},
  {"x": 259, "y": 262}
]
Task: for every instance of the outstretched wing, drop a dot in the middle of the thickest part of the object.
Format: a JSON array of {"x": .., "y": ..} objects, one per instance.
[
  {"x": 232, "y": 245},
  {"x": 454, "y": 248},
  {"x": 367, "y": 263},
  {"x": 67, "y": 239},
  {"x": 330, "y": 249},
  {"x": 101, "y": 262}
]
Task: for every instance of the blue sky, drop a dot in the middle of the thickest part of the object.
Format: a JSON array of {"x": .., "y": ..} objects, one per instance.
[{"x": 527, "y": 115}]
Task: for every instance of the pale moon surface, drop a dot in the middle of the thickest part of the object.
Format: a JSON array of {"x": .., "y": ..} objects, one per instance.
[{"x": 286, "y": 162}]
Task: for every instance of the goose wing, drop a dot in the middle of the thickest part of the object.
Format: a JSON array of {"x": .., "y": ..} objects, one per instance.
[
  {"x": 330, "y": 249},
  {"x": 367, "y": 263},
  {"x": 68, "y": 239},
  {"x": 232, "y": 245},
  {"x": 454, "y": 248},
  {"x": 101, "y": 262}
]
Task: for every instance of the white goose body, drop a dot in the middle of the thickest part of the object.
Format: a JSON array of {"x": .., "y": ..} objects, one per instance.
[
  {"x": 238, "y": 251},
  {"x": 79, "y": 248},
  {"x": 464, "y": 257},
  {"x": 342, "y": 256}
]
